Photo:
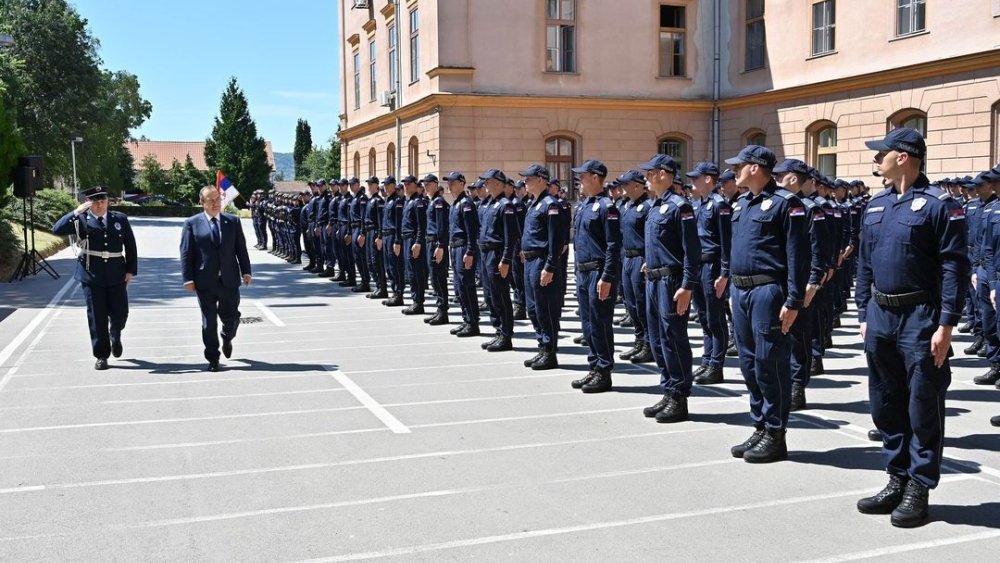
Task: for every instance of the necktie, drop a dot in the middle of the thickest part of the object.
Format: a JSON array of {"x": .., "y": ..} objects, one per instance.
[
  {"x": 100, "y": 222},
  {"x": 216, "y": 236}
]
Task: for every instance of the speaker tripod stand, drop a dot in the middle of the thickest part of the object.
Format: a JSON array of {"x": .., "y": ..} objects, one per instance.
[{"x": 31, "y": 261}]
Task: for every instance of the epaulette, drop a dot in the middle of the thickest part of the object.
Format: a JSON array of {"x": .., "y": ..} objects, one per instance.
[
  {"x": 679, "y": 200},
  {"x": 810, "y": 204},
  {"x": 718, "y": 198},
  {"x": 938, "y": 193},
  {"x": 784, "y": 193}
]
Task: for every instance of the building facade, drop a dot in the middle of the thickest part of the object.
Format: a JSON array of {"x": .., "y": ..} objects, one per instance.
[{"x": 431, "y": 86}]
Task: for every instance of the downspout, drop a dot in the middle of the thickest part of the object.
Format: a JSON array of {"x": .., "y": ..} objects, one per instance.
[
  {"x": 399, "y": 93},
  {"x": 716, "y": 79},
  {"x": 343, "y": 74}
]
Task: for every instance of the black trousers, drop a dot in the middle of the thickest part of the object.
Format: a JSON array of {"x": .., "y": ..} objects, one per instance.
[
  {"x": 107, "y": 312},
  {"x": 218, "y": 303}
]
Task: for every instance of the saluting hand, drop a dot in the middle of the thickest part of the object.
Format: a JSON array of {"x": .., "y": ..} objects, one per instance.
[
  {"x": 83, "y": 207},
  {"x": 941, "y": 344},
  {"x": 787, "y": 318}
]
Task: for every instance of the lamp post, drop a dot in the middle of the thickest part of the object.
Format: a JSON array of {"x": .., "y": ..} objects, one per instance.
[{"x": 72, "y": 150}]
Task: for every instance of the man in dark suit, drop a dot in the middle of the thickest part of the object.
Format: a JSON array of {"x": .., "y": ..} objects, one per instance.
[
  {"x": 213, "y": 260},
  {"x": 106, "y": 265}
]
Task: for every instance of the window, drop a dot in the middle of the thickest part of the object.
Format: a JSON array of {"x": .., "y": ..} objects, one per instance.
[
  {"x": 672, "y": 37},
  {"x": 560, "y": 36},
  {"x": 823, "y": 139},
  {"x": 413, "y": 153},
  {"x": 371, "y": 70},
  {"x": 824, "y": 24},
  {"x": 995, "y": 133},
  {"x": 755, "y": 38},
  {"x": 357, "y": 164},
  {"x": 357, "y": 80},
  {"x": 912, "y": 118},
  {"x": 371, "y": 162},
  {"x": 390, "y": 159},
  {"x": 755, "y": 137},
  {"x": 910, "y": 17},
  {"x": 393, "y": 68},
  {"x": 560, "y": 157},
  {"x": 676, "y": 148},
  {"x": 414, "y": 46}
]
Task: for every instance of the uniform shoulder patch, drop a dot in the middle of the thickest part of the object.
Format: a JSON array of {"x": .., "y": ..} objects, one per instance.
[{"x": 785, "y": 194}]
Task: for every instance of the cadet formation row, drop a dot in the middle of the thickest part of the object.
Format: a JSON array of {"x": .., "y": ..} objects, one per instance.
[{"x": 766, "y": 252}]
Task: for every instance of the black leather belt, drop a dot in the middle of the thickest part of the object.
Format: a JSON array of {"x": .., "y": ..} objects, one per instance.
[
  {"x": 653, "y": 274},
  {"x": 532, "y": 254},
  {"x": 389, "y": 232},
  {"x": 634, "y": 253},
  {"x": 370, "y": 227},
  {"x": 709, "y": 257},
  {"x": 432, "y": 238},
  {"x": 458, "y": 242},
  {"x": 408, "y": 234},
  {"x": 487, "y": 246},
  {"x": 902, "y": 299},
  {"x": 588, "y": 266},
  {"x": 747, "y": 282}
]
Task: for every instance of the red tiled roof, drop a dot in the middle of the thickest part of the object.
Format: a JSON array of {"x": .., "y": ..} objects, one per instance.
[
  {"x": 166, "y": 151},
  {"x": 291, "y": 187}
]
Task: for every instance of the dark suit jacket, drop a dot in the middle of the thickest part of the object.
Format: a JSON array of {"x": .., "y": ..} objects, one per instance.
[
  {"x": 115, "y": 236},
  {"x": 204, "y": 262}
]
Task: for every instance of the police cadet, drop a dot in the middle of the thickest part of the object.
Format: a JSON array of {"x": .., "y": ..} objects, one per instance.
[
  {"x": 412, "y": 243},
  {"x": 566, "y": 209},
  {"x": 496, "y": 245},
  {"x": 597, "y": 245},
  {"x": 438, "y": 259},
  {"x": 910, "y": 288},
  {"x": 633, "y": 220},
  {"x": 517, "y": 267},
  {"x": 324, "y": 268},
  {"x": 541, "y": 250},
  {"x": 391, "y": 222},
  {"x": 769, "y": 265},
  {"x": 714, "y": 234},
  {"x": 985, "y": 250},
  {"x": 105, "y": 267},
  {"x": 463, "y": 241},
  {"x": 316, "y": 241},
  {"x": 347, "y": 277},
  {"x": 793, "y": 175},
  {"x": 371, "y": 241},
  {"x": 483, "y": 205},
  {"x": 305, "y": 220},
  {"x": 359, "y": 203},
  {"x": 973, "y": 206},
  {"x": 334, "y": 254}
]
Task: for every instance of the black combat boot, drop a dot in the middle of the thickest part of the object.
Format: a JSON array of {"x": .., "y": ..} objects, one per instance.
[{"x": 886, "y": 500}]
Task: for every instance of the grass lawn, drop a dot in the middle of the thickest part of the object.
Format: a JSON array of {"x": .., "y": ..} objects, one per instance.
[{"x": 46, "y": 244}]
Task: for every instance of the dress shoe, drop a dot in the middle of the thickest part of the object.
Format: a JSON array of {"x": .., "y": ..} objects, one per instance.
[
  {"x": 579, "y": 383},
  {"x": 501, "y": 344},
  {"x": 547, "y": 361},
  {"x": 966, "y": 328},
  {"x": 396, "y": 301},
  {"x": 817, "y": 367},
  {"x": 101, "y": 364},
  {"x": 414, "y": 310},
  {"x": 531, "y": 360},
  {"x": 769, "y": 449},
  {"x": 630, "y": 352},
  {"x": 600, "y": 383},
  {"x": 975, "y": 347},
  {"x": 363, "y": 288},
  {"x": 995, "y": 421},
  {"x": 643, "y": 356},
  {"x": 982, "y": 352},
  {"x": 650, "y": 412},
  {"x": 379, "y": 294},
  {"x": 469, "y": 331},
  {"x": 458, "y": 329},
  {"x": 578, "y": 339},
  {"x": 116, "y": 347},
  {"x": 213, "y": 366},
  {"x": 430, "y": 318},
  {"x": 912, "y": 510},
  {"x": 798, "y": 401},
  {"x": 227, "y": 347},
  {"x": 989, "y": 378},
  {"x": 886, "y": 500},
  {"x": 711, "y": 376},
  {"x": 675, "y": 411},
  {"x": 439, "y": 319},
  {"x": 874, "y": 435},
  {"x": 740, "y": 449},
  {"x": 520, "y": 314},
  {"x": 328, "y": 273},
  {"x": 488, "y": 343},
  {"x": 732, "y": 352}
]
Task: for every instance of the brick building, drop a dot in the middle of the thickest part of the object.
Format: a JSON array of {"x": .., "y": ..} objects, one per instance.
[{"x": 440, "y": 85}]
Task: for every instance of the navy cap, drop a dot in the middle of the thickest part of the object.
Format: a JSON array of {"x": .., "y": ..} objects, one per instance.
[
  {"x": 372, "y": 180},
  {"x": 838, "y": 183},
  {"x": 409, "y": 179},
  {"x": 754, "y": 154},
  {"x": 990, "y": 176},
  {"x": 945, "y": 180},
  {"x": 554, "y": 182},
  {"x": 454, "y": 176},
  {"x": 311, "y": 183},
  {"x": 704, "y": 169},
  {"x": 677, "y": 182},
  {"x": 430, "y": 178},
  {"x": 389, "y": 181},
  {"x": 857, "y": 184},
  {"x": 727, "y": 176},
  {"x": 320, "y": 182},
  {"x": 536, "y": 171},
  {"x": 660, "y": 162},
  {"x": 592, "y": 167},
  {"x": 510, "y": 182},
  {"x": 478, "y": 184},
  {"x": 996, "y": 170},
  {"x": 354, "y": 180},
  {"x": 97, "y": 192},
  {"x": 792, "y": 165},
  {"x": 494, "y": 173},
  {"x": 519, "y": 185},
  {"x": 902, "y": 139},
  {"x": 632, "y": 176}
]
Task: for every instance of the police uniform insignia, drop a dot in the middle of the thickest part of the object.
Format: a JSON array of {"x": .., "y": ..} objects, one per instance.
[
  {"x": 918, "y": 204},
  {"x": 596, "y": 206},
  {"x": 639, "y": 208},
  {"x": 663, "y": 208},
  {"x": 118, "y": 226},
  {"x": 538, "y": 206},
  {"x": 708, "y": 206},
  {"x": 495, "y": 205},
  {"x": 766, "y": 205}
]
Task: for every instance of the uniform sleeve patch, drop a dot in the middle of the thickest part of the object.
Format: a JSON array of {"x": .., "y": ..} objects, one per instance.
[
  {"x": 725, "y": 211},
  {"x": 797, "y": 212},
  {"x": 554, "y": 211},
  {"x": 876, "y": 209},
  {"x": 687, "y": 215},
  {"x": 956, "y": 214},
  {"x": 508, "y": 211}
]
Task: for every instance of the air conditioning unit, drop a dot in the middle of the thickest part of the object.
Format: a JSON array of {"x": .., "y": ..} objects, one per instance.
[
  {"x": 360, "y": 4},
  {"x": 388, "y": 99}
]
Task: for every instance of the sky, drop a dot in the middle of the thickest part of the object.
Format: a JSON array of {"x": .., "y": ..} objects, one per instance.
[{"x": 284, "y": 56}]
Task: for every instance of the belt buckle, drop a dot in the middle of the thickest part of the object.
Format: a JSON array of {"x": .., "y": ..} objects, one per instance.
[{"x": 105, "y": 254}]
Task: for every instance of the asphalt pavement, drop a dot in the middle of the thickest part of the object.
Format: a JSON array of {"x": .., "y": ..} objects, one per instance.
[{"x": 341, "y": 430}]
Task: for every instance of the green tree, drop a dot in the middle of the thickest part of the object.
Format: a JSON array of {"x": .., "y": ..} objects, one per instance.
[
  {"x": 152, "y": 179},
  {"x": 11, "y": 148},
  {"x": 235, "y": 148},
  {"x": 303, "y": 146},
  {"x": 334, "y": 160},
  {"x": 193, "y": 181}
]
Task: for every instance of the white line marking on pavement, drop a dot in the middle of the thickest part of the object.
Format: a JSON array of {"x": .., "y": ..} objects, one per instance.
[
  {"x": 365, "y": 399},
  {"x": 144, "y": 383},
  {"x": 267, "y": 313},
  {"x": 485, "y": 540},
  {"x": 892, "y": 550},
  {"x": 10, "y": 348}
]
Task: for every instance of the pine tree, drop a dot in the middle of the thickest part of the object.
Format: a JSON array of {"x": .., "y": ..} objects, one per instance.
[
  {"x": 334, "y": 159},
  {"x": 303, "y": 146},
  {"x": 234, "y": 147}
]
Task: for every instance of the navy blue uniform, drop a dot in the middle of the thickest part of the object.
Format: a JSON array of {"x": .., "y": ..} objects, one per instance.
[
  {"x": 805, "y": 324},
  {"x": 911, "y": 279},
  {"x": 634, "y": 251},
  {"x": 392, "y": 222},
  {"x": 102, "y": 277},
  {"x": 372, "y": 224},
  {"x": 973, "y": 213},
  {"x": 413, "y": 231},
  {"x": 597, "y": 245},
  {"x": 714, "y": 234},
  {"x": 345, "y": 254},
  {"x": 496, "y": 243},
  {"x": 357, "y": 213},
  {"x": 517, "y": 268},
  {"x": 463, "y": 233},
  {"x": 983, "y": 255},
  {"x": 769, "y": 266},
  {"x": 437, "y": 239},
  {"x": 322, "y": 216},
  {"x": 673, "y": 256},
  {"x": 541, "y": 247}
]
